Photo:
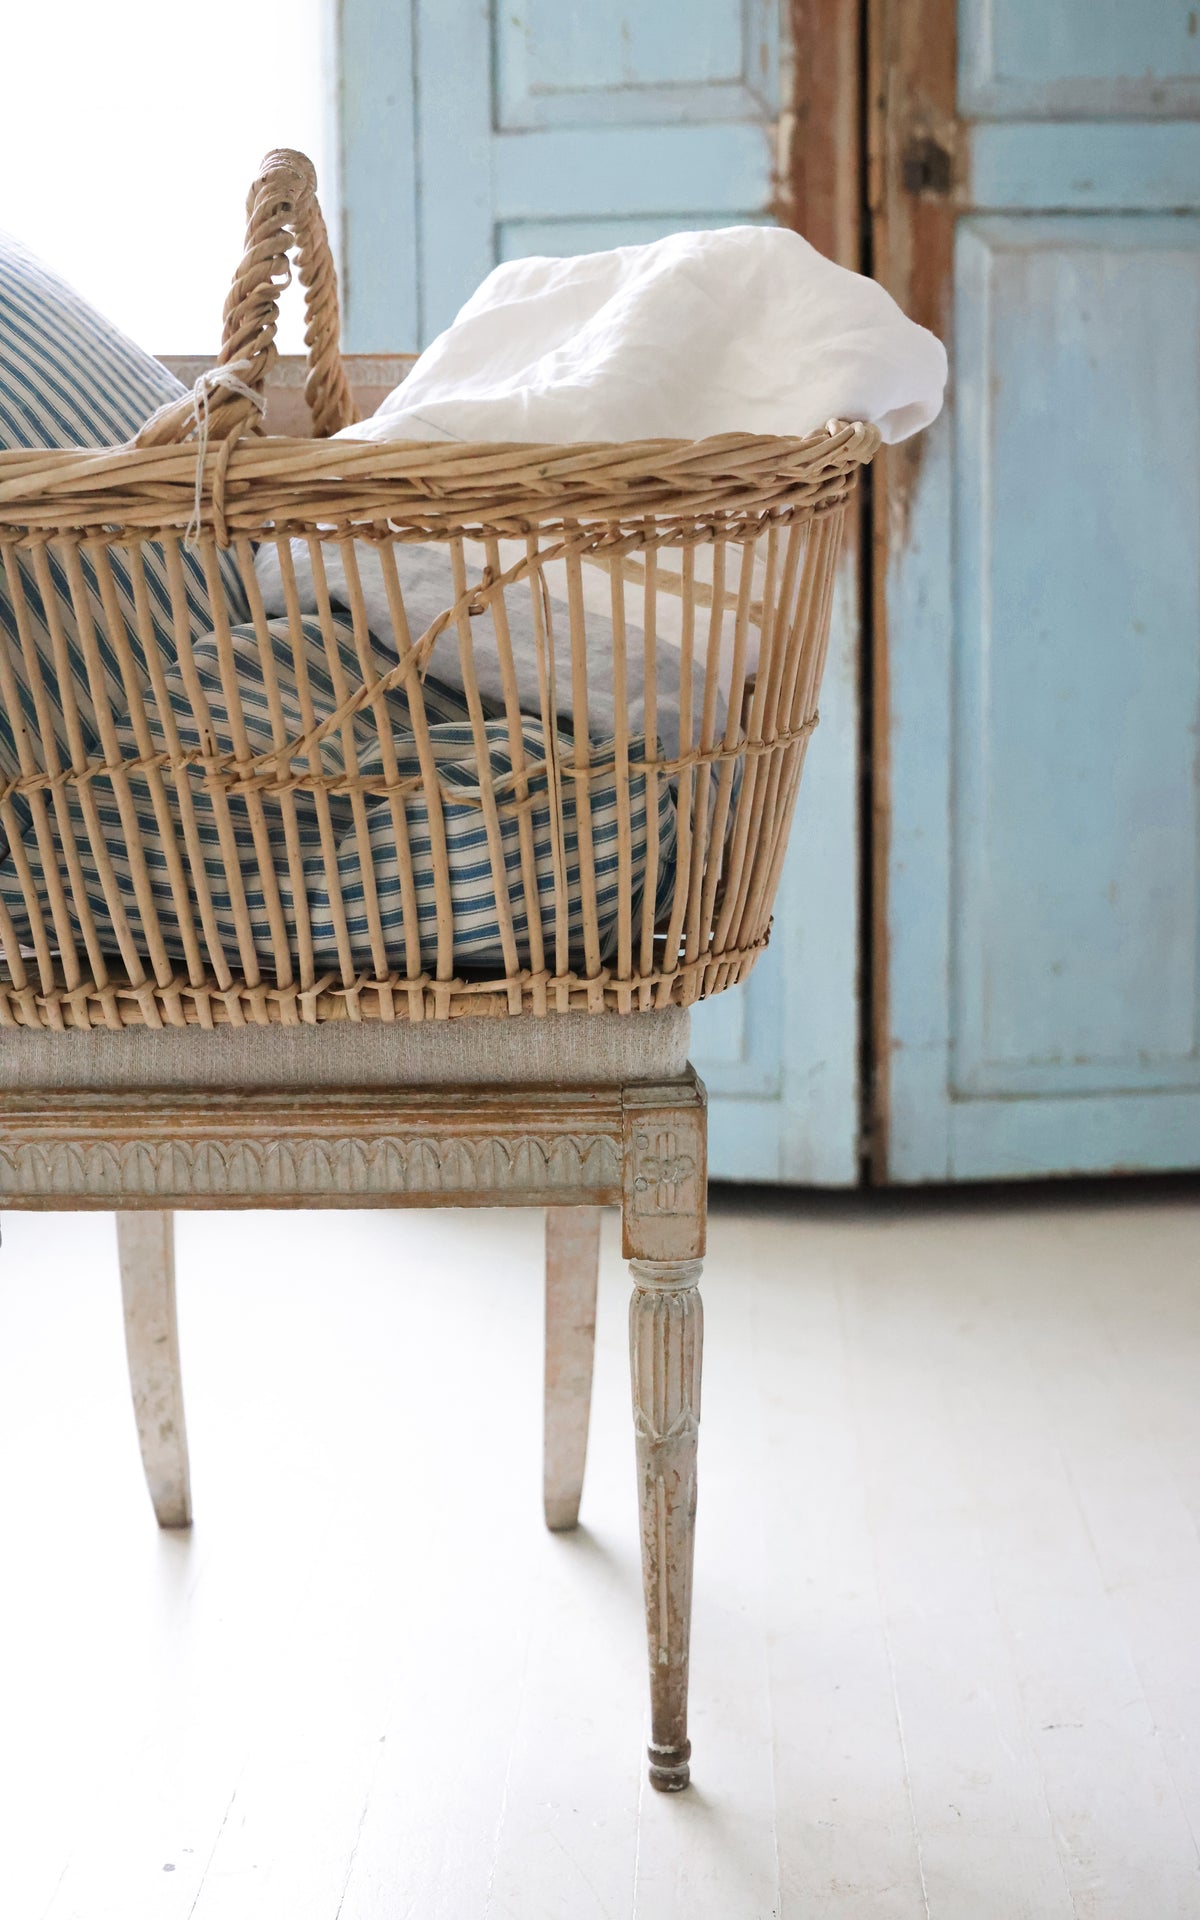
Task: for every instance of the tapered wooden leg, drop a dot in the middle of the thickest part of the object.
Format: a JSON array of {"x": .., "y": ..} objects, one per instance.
[
  {"x": 146, "y": 1245},
  {"x": 663, "y": 1223},
  {"x": 666, "y": 1325},
  {"x": 572, "y": 1263}
]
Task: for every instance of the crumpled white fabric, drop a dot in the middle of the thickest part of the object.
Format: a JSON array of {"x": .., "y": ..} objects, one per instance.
[{"x": 738, "y": 330}]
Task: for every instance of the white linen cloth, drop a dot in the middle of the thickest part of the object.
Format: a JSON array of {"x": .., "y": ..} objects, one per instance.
[{"x": 739, "y": 330}]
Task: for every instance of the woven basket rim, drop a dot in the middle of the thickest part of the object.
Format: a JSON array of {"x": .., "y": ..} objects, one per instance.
[
  {"x": 839, "y": 437},
  {"x": 723, "y": 475}
]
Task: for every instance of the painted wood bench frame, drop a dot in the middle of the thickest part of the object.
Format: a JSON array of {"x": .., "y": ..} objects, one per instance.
[{"x": 572, "y": 1151}]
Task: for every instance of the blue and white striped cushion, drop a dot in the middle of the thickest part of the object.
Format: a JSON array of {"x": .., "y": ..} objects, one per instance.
[
  {"x": 305, "y": 892},
  {"x": 70, "y": 379}
]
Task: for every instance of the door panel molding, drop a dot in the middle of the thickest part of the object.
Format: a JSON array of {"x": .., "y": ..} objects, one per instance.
[{"x": 1036, "y": 633}]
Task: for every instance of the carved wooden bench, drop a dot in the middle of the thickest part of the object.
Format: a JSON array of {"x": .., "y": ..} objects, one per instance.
[{"x": 86, "y": 1121}]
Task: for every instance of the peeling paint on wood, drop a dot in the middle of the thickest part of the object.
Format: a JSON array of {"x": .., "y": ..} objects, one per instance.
[{"x": 912, "y": 52}]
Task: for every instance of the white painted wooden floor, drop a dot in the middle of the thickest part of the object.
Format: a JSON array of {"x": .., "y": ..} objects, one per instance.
[{"x": 947, "y": 1633}]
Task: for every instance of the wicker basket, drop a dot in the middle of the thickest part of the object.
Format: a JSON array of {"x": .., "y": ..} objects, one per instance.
[{"x": 729, "y": 546}]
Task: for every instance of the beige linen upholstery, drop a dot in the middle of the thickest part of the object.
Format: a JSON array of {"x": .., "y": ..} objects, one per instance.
[{"x": 562, "y": 1049}]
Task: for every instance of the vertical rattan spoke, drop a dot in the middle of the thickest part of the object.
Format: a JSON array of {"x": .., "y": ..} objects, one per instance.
[
  {"x": 520, "y": 801},
  {"x": 431, "y": 792},
  {"x": 544, "y": 643},
  {"x": 314, "y": 759},
  {"x": 483, "y": 760},
  {"x": 410, "y": 915},
  {"x": 23, "y": 663}
]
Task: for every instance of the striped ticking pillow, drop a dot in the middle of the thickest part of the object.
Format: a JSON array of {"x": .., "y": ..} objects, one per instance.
[
  {"x": 70, "y": 379},
  {"x": 293, "y": 892}
]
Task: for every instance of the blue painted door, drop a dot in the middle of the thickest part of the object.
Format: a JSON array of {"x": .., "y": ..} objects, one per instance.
[
  {"x": 1036, "y": 193},
  {"x": 474, "y": 131}
]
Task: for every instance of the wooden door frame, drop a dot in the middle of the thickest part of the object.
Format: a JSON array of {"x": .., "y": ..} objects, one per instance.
[
  {"x": 819, "y": 170},
  {"x": 821, "y": 193},
  {"x": 917, "y": 180}
]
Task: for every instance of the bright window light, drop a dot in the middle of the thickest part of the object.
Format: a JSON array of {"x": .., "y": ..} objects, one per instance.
[{"x": 131, "y": 133}]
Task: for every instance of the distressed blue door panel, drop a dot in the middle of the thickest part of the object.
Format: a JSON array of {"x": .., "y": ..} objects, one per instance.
[
  {"x": 378, "y": 228},
  {"x": 649, "y": 170},
  {"x": 608, "y": 66},
  {"x": 517, "y": 239},
  {"x": 475, "y": 133},
  {"x": 1044, "y": 627},
  {"x": 1076, "y": 640},
  {"x": 1138, "y": 58},
  {"x": 1055, "y": 166}
]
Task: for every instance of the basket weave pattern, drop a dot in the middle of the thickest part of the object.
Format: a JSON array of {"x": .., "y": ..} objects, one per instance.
[{"x": 731, "y": 543}]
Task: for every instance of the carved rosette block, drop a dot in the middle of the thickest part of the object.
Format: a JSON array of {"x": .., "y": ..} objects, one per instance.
[
  {"x": 664, "y": 1172},
  {"x": 666, "y": 1326}
]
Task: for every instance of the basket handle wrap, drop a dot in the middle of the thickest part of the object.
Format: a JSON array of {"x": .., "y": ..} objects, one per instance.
[{"x": 282, "y": 214}]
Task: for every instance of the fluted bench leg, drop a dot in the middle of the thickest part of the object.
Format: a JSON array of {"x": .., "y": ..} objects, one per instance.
[
  {"x": 146, "y": 1245},
  {"x": 665, "y": 1340},
  {"x": 572, "y": 1263},
  {"x": 663, "y": 1214}
]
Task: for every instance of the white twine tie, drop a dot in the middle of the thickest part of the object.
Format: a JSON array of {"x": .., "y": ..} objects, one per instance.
[{"x": 229, "y": 377}]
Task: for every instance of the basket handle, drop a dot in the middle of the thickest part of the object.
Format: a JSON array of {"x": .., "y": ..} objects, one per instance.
[{"x": 282, "y": 214}]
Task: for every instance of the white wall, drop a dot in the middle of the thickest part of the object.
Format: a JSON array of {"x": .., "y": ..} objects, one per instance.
[{"x": 130, "y": 134}]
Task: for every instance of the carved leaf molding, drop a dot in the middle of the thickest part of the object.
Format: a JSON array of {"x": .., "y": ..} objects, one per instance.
[{"x": 307, "y": 1166}]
